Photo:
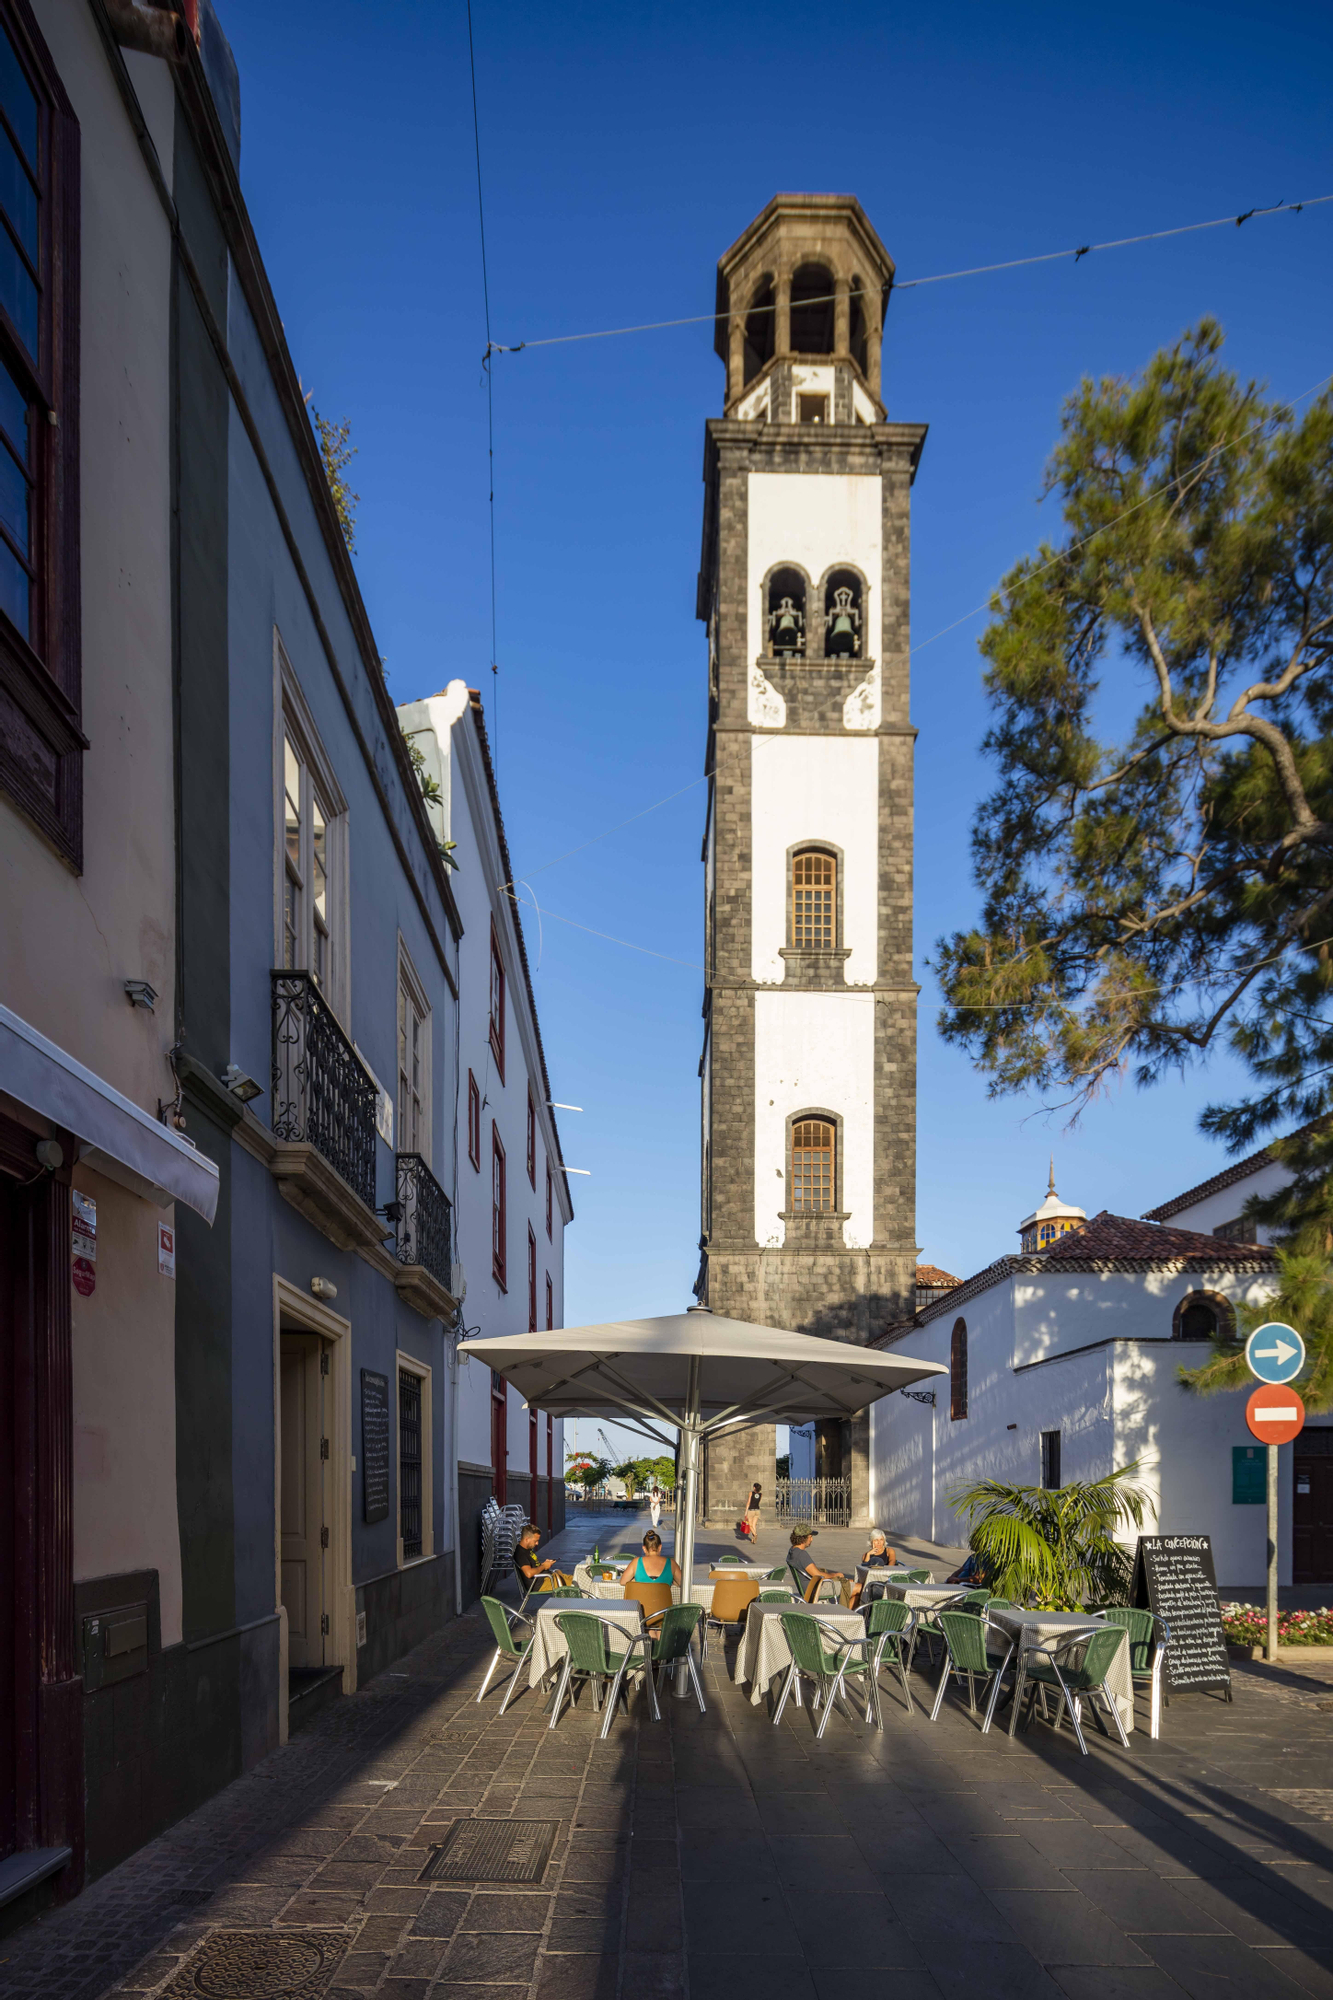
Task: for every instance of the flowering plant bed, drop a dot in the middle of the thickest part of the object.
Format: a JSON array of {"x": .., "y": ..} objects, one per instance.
[{"x": 1247, "y": 1625}]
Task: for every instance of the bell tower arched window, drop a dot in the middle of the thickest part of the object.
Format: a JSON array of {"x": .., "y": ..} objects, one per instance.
[
  {"x": 958, "y": 1371},
  {"x": 814, "y": 900},
  {"x": 812, "y": 310},
  {"x": 812, "y": 1167},
  {"x": 760, "y": 329},
  {"x": 843, "y": 610},
  {"x": 786, "y": 614}
]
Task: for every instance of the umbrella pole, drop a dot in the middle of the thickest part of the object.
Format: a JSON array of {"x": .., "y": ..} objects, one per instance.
[{"x": 686, "y": 1502}]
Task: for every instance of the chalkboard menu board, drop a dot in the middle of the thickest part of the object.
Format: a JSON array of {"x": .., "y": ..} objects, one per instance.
[
  {"x": 1174, "y": 1576},
  {"x": 374, "y": 1445}
]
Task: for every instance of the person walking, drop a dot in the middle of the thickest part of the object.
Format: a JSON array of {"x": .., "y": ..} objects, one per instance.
[
  {"x": 655, "y": 1505},
  {"x": 752, "y": 1506}
]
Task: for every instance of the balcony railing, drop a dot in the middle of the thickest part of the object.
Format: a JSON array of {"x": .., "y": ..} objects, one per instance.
[
  {"x": 322, "y": 1096},
  {"x": 425, "y": 1225}
]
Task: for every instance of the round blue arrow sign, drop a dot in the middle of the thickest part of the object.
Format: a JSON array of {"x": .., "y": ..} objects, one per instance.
[{"x": 1275, "y": 1353}]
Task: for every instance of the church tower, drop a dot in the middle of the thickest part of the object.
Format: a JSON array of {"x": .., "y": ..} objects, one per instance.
[{"x": 809, "y": 1059}]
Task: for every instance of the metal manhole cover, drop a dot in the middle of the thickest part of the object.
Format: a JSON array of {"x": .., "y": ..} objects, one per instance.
[
  {"x": 259, "y": 1965},
  {"x": 492, "y": 1850}
]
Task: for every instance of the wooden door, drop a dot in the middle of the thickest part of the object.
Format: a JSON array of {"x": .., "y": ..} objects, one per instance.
[
  {"x": 304, "y": 1527},
  {"x": 15, "y": 1613},
  {"x": 1312, "y": 1512}
]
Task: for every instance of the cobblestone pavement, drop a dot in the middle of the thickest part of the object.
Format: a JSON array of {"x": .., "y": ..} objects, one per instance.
[{"x": 713, "y": 1855}]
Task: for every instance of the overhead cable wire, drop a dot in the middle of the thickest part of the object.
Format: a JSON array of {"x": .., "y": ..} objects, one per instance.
[
  {"x": 912, "y": 284},
  {"x": 1226, "y": 445},
  {"x": 490, "y": 385}
]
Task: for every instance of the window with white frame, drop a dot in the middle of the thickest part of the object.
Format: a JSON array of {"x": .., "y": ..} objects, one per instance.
[
  {"x": 312, "y": 827},
  {"x": 413, "y": 1062}
]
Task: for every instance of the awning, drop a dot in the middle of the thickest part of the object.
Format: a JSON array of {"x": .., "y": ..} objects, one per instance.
[{"x": 116, "y": 1137}]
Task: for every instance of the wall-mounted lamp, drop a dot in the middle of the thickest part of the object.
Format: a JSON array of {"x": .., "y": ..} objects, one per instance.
[
  {"x": 240, "y": 1085},
  {"x": 392, "y": 1211},
  {"x": 324, "y": 1288},
  {"x": 552, "y": 1105},
  {"x": 140, "y": 994},
  {"x": 50, "y": 1155}
]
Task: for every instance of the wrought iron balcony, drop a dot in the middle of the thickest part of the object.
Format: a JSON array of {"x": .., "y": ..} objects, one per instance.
[
  {"x": 425, "y": 1221},
  {"x": 322, "y": 1096}
]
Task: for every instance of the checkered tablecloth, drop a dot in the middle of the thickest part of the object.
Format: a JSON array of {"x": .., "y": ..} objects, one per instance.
[
  {"x": 764, "y": 1651},
  {"x": 924, "y": 1596},
  {"x": 548, "y": 1644}
]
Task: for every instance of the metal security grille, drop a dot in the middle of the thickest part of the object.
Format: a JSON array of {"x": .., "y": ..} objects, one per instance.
[
  {"x": 409, "y": 1462},
  {"x": 812, "y": 1167},
  {"x": 492, "y": 1850},
  {"x": 822, "y": 1503},
  {"x": 813, "y": 894}
]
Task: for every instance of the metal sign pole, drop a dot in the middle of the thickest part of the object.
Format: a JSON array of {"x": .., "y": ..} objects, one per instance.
[{"x": 1270, "y": 1650}]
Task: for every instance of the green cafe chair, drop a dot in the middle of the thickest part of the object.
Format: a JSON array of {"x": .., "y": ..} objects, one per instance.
[
  {"x": 592, "y": 1656},
  {"x": 507, "y": 1646},
  {"x": 966, "y": 1655},
  {"x": 828, "y": 1665},
  {"x": 1049, "y": 1673},
  {"x": 671, "y": 1644},
  {"x": 1149, "y": 1637},
  {"x": 890, "y": 1621}
]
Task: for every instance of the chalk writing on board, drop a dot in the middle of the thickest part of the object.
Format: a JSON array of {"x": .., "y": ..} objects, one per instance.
[
  {"x": 374, "y": 1445},
  {"x": 1174, "y": 1576}
]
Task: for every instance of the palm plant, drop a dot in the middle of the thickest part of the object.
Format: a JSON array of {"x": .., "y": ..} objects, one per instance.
[{"x": 1056, "y": 1547}]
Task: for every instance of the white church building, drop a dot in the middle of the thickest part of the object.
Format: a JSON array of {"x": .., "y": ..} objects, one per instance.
[{"x": 1064, "y": 1362}]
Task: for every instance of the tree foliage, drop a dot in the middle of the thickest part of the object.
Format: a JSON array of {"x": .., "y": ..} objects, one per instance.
[
  {"x": 337, "y": 451},
  {"x": 1056, "y": 1547},
  {"x": 1150, "y": 892},
  {"x": 582, "y": 1469}
]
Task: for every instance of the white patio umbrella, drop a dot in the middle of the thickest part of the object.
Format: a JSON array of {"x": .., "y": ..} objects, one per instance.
[{"x": 696, "y": 1374}]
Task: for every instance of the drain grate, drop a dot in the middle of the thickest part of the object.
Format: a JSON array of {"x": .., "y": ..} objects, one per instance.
[
  {"x": 259, "y": 1965},
  {"x": 492, "y": 1850}
]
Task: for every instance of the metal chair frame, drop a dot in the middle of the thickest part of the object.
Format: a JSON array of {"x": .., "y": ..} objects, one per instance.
[
  {"x": 953, "y": 1663},
  {"x": 614, "y": 1671},
  {"x": 902, "y": 1636},
  {"x": 1154, "y": 1672},
  {"x": 667, "y": 1660},
  {"x": 1068, "y": 1696},
  {"x": 518, "y": 1655},
  {"x": 830, "y": 1678}
]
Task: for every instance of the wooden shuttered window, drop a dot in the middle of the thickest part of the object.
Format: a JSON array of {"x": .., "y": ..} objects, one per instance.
[
  {"x": 814, "y": 900},
  {"x": 813, "y": 1178}
]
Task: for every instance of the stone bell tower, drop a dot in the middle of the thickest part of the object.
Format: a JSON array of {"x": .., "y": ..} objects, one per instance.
[{"x": 809, "y": 1059}]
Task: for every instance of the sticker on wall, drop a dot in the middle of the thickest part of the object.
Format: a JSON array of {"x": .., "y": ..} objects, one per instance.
[
  {"x": 166, "y": 1250},
  {"x": 83, "y": 1244}
]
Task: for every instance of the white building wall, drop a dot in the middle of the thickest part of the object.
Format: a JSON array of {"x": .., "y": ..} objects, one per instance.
[
  {"x": 444, "y": 729},
  {"x": 1225, "y": 1206},
  {"x": 814, "y": 1051},
  {"x": 814, "y": 788},
  {"x": 1088, "y": 1354}
]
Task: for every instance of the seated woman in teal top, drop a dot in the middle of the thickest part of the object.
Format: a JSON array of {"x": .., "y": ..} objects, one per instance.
[{"x": 652, "y": 1566}]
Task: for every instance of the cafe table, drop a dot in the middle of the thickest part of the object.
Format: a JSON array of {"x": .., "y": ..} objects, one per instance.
[
  {"x": 612, "y": 1591},
  {"x": 548, "y": 1641},
  {"x": 764, "y": 1653},
  {"x": 881, "y": 1574},
  {"x": 1025, "y": 1628},
  {"x": 925, "y": 1596}
]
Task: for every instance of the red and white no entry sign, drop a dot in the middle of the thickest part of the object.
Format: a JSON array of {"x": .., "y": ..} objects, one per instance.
[{"x": 1275, "y": 1415}]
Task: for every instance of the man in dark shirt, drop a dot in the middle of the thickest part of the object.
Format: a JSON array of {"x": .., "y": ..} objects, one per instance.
[
  {"x": 526, "y": 1566},
  {"x": 801, "y": 1561}
]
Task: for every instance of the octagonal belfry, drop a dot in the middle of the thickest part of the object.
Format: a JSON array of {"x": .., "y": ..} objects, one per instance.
[{"x": 809, "y": 1060}]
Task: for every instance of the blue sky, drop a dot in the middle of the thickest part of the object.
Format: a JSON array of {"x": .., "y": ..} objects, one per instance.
[{"x": 623, "y": 149}]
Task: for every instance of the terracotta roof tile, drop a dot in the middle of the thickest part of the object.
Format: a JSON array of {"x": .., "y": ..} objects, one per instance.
[
  {"x": 931, "y": 1275},
  {"x": 1108, "y": 1235}
]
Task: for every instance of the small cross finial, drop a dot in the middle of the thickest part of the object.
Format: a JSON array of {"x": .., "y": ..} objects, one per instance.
[{"x": 1050, "y": 1189}]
